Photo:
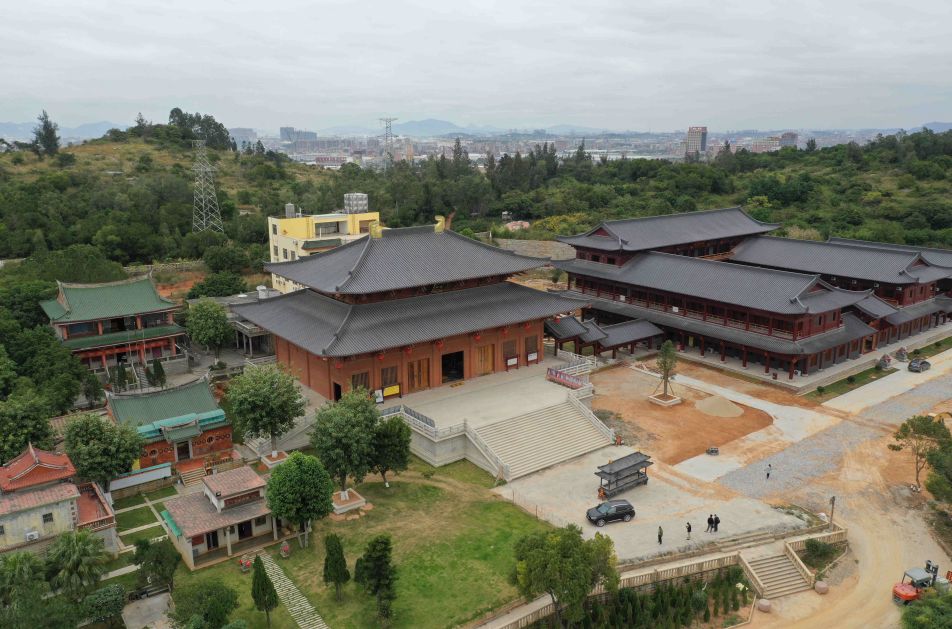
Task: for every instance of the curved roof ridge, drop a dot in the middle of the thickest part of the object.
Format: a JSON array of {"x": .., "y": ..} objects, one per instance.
[
  {"x": 766, "y": 270},
  {"x": 336, "y": 336},
  {"x": 127, "y": 280},
  {"x": 358, "y": 263},
  {"x": 844, "y": 245},
  {"x": 496, "y": 249},
  {"x": 347, "y": 245},
  {"x": 111, "y": 395},
  {"x": 695, "y": 212}
]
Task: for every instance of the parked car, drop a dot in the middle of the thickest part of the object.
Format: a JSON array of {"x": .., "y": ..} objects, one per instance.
[
  {"x": 610, "y": 511},
  {"x": 919, "y": 365}
]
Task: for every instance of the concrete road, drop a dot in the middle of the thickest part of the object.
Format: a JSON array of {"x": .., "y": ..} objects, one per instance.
[{"x": 148, "y": 612}]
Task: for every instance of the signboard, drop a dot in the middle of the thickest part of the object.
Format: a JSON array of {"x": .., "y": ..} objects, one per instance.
[
  {"x": 512, "y": 362},
  {"x": 392, "y": 390},
  {"x": 568, "y": 380},
  {"x": 378, "y": 396},
  {"x": 532, "y": 356}
]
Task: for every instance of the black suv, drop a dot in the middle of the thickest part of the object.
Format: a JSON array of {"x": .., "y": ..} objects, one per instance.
[{"x": 610, "y": 511}]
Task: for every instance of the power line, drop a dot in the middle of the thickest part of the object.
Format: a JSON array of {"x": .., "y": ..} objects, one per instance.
[
  {"x": 388, "y": 138},
  {"x": 205, "y": 213}
]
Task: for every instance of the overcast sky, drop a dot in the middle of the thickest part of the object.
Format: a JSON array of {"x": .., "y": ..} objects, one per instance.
[{"x": 625, "y": 64}]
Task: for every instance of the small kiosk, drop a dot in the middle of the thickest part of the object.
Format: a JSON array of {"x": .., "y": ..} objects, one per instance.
[{"x": 624, "y": 473}]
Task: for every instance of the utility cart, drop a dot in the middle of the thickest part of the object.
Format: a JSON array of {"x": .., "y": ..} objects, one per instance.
[{"x": 624, "y": 473}]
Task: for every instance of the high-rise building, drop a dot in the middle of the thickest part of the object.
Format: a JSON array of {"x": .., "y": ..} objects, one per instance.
[
  {"x": 287, "y": 134},
  {"x": 696, "y": 142},
  {"x": 788, "y": 139},
  {"x": 765, "y": 145}
]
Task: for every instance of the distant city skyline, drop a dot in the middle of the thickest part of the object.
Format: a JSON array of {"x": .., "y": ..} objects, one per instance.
[{"x": 652, "y": 65}]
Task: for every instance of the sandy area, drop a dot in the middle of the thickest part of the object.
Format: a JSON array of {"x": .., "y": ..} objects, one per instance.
[
  {"x": 179, "y": 289},
  {"x": 675, "y": 433}
]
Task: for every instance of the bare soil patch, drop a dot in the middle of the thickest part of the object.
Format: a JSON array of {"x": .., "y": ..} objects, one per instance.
[
  {"x": 670, "y": 434},
  {"x": 177, "y": 289}
]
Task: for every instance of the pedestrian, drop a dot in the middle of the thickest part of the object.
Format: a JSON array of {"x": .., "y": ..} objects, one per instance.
[
  {"x": 660, "y": 535},
  {"x": 717, "y": 522},
  {"x": 710, "y": 523},
  {"x": 689, "y": 530},
  {"x": 769, "y": 467}
]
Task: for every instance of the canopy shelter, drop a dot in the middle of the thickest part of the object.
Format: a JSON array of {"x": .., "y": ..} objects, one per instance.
[
  {"x": 601, "y": 338},
  {"x": 624, "y": 473}
]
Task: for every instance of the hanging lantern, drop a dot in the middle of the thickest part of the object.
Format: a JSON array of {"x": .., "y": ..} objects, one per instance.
[
  {"x": 478, "y": 336},
  {"x": 527, "y": 325},
  {"x": 558, "y": 318},
  {"x": 380, "y": 356},
  {"x": 338, "y": 364},
  {"x": 439, "y": 343},
  {"x": 505, "y": 331},
  {"x": 407, "y": 350}
]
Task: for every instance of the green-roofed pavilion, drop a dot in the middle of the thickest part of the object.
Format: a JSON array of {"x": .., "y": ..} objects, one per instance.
[{"x": 91, "y": 302}]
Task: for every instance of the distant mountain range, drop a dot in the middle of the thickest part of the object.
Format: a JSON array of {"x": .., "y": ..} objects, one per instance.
[
  {"x": 23, "y": 131},
  {"x": 431, "y": 127},
  {"x": 938, "y": 127}
]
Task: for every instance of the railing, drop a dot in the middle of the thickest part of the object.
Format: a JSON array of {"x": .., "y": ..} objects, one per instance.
[
  {"x": 590, "y": 416},
  {"x": 103, "y": 522},
  {"x": 588, "y": 390},
  {"x": 755, "y": 581},
  {"x": 262, "y": 360},
  {"x": 423, "y": 423},
  {"x": 502, "y": 469},
  {"x": 833, "y": 537},
  {"x": 798, "y": 564},
  {"x": 576, "y": 359}
]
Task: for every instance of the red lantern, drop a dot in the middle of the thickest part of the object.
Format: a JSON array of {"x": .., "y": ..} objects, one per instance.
[
  {"x": 407, "y": 350},
  {"x": 439, "y": 343},
  {"x": 558, "y": 318},
  {"x": 505, "y": 331},
  {"x": 380, "y": 356},
  {"x": 478, "y": 336},
  {"x": 527, "y": 325},
  {"x": 338, "y": 364}
]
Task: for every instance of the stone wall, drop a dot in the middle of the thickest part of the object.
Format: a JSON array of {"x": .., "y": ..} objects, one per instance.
[{"x": 538, "y": 248}]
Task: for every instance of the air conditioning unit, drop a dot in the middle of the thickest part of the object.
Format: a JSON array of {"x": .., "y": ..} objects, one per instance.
[{"x": 32, "y": 536}]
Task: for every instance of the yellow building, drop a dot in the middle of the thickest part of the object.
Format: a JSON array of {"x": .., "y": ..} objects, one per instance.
[{"x": 296, "y": 236}]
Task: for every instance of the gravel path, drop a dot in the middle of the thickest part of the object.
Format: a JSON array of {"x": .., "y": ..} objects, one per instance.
[
  {"x": 800, "y": 462},
  {"x": 913, "y": 402}
]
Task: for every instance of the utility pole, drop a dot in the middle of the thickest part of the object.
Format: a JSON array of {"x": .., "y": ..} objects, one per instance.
[
  {"x": 205, "y": 213},
  {"x": 388, "y": 139},
  {"x": 832, "y": 507}
]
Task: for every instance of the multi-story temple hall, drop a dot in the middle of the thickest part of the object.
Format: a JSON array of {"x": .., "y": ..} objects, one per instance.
[{"x": 401, "y": 310}]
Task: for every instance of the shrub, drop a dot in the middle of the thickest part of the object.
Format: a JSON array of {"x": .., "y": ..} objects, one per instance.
[
  {"x": 821, "y": 390},
  {"x": 817, "y": 553},
  {"x": 851, "y": 379}
]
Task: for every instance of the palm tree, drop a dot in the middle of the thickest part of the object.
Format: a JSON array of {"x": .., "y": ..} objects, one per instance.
[
  {"x": 20, "y": 571},
  {"x": 76, "y": 562}
]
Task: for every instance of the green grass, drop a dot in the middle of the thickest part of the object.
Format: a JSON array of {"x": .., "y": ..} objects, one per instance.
[
  {"x": 840, "y": 387},
  {"x": 159, "y": 494},
  {"x": 128, "y": 581},
  {"x": 229, "y": 574},
  {"x": 129, "y": 501},
  {"x": 123, "y": 560},
  {"x": 932, "y": 349},
  {"x": 148, "y": 533},
  {"x": 134, "y": 518}
]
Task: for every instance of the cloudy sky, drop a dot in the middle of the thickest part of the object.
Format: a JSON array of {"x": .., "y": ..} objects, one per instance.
[{"x": 625, "y": 64}]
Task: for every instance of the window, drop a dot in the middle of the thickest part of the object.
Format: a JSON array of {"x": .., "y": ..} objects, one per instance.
[
  {"x": 359, "y": 380},
  {"x": 47, "y": 518},
  {"x": 388, "y": 376},
  {"x": 611, "y": 260},
  {"x": 3, "y": 531},
  {"x": 275, "y": 251},
  {"x": 261, "y": 521},
  {"x": 284, "y": 254},
  {"x": 294, "y": 255},
  {"x": 274, "y": 228},
  {"x": 532, "y": 348}
]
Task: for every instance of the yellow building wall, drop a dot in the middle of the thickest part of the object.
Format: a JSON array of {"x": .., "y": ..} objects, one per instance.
[{"x": 17, "y": 524}]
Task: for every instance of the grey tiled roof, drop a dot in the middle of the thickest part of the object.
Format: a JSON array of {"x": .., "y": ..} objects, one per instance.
[
  {"x": 851, "y": 329},
  {"x": 327, "y": 327},
  {"x": 606, "y": 335},
  {"x": 782, "y": 292},
  {"x": 629, "y": 332},
  {"x": 401, "y": 258},
  {"x": 875, "y": 307},
  {"x": 656, "y": 232},
  {"x": 930, "y": 306},
  {"x": 839, "y": 259},
  {"x": 937, "y": 257},
  {"x": 564, "y": 328}
]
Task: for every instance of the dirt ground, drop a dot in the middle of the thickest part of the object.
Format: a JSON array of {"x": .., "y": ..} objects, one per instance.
[
  {"x": 732, "y": 381},
  {"x": 669, "y": 434},
  {"x": 184, "y": 282}
]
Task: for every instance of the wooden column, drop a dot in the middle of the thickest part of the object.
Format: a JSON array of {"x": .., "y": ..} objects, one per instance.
[
  {"x": 766, "y": 362},
  {"x": 744, "y": 353},
  {"x": 228, "y": 539},
  {"x": 99, "y": 326},
  {"x": 723, "y": 352},
  {"x": 793, "y": 361},
  {"x": 702, "y": 346}
]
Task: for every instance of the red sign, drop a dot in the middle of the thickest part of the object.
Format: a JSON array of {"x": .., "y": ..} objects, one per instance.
[{"x": 568, "y": 380}]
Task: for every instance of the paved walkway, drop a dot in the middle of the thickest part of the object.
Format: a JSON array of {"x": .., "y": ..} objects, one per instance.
[
  {"x": 119, "y": 572},
  {"x": 297, "y": 604}
]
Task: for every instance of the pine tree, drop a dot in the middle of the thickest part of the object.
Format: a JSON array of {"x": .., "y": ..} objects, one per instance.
[
  {"x": 377, "y": 573},
  {"x": 262, "y": 590},
  {"x": 45, "y": 139},
  {"x": 122, "y": 379},
  {"x": 158, "y": 373},
  {"x": 335, "y": 564}
]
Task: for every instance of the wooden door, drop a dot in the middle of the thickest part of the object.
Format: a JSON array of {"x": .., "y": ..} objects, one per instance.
[
  {"x": 418, "y": 375},
  {"x": 485, "y": 360}
]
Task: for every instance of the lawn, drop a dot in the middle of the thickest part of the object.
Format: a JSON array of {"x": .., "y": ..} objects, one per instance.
[
  {"x": 121, "y": 561},
  {"x": 129, "y": 501},
  {"x": 134, "y": 518},
  {"x": 849, "y": 383},
  {"x": 159, "y": 494},
  {"x": 932, "y": 349},
  {"x": 148, "y": 533}
]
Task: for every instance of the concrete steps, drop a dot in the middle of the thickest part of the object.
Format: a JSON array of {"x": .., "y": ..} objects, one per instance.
[
  {"x": 193, "y": 477},
  {"x": 779, "y": 576},
  {"x": 296, "y": 603},
  {"x": 542, "y": 438}
]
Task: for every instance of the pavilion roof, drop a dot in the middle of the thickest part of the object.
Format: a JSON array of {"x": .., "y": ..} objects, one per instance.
[
  {"x": 91, "y": 302},
  {"x": 934, "y": 256},
  {"x": 185, "y": 402},
  {"x": 770, "y": 290},
  {"x": 401, "y": 258},
  {"x": 34, "y": 467},
  {"x": 327, "y": 327},
  {"x": 656, "y": 232},
  {"x": 875, "y": 264}
]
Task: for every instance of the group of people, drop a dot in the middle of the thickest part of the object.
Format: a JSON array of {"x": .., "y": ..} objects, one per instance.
[{"x": 713, "y": 521}]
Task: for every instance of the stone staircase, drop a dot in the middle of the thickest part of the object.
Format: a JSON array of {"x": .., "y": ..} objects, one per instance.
[
  {"x": 192, "y": 477},
  {"x": 296, "y": 603},
  {"x": 779, "y": 576},
  {"x": 542, "y": 438}
]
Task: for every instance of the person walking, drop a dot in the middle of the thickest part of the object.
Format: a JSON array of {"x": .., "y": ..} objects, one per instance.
[
  {"x": 769, "y": 468},
  {"x": 660, "y": 535},
  {"x": 688, "y": 526},
  {"x": 710, "y": 523},
  {"x": 717, "y": 522}
]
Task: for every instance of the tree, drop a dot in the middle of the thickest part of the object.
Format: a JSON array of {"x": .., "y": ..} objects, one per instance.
[
  {"x": 101, "y": 450},
  {"x": 262, "y": 590},
  {"x": 666, "y": 362},
  {"x": 300, "y": 490},
  {"x": 158, "y": 373},
  {"x": 932, "y": 611},
  {"x": 157, "y": 562},
  {"x": 208, "y": 325},
  {"x": 209, "y": 600},
  {"x": 24, "y": 418},
  {"x": 566, "y": 567},
  {"x": 335, "y": 564},
  {"x": 92, "y": 389},
  {"x": 105, "y": 604},
  {"x": 921, "y": 436},
  {"x": 76, "y": 560},
  {"x": 939, "y": 481},
  {"x": 344, "y": 436},
  {"x": 225, "y": 258},
  {"x": 122, "y": 378},
  {"x": 377, "y": 573},
  {"x": 265, "y": 401},
  {"x": 811, "y": 145},
  {"x": 19, "y": 572},
  {"x": 391, "y": 447},
  {"x": 218, "y": 285},
  {"x": 44, "y": 135}
]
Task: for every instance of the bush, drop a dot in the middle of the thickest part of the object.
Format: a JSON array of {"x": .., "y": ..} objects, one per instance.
[
  {"x": 821, "y": 390},
  {"x": 817, "y": 554},
  {"x": 851, "y": 379}
]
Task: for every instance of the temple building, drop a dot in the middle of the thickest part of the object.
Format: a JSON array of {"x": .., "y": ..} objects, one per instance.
[
  {"x": 125, "y": 322},
  {"x": 712, "y": 280},
  {"x": 401, "y": 310},
  {"x": 181, "y": 425}
]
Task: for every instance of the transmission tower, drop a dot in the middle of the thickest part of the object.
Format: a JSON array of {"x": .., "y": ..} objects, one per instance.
[
  {"x": 388, "y": 138},
  {"x": 205, "y": 213}
]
